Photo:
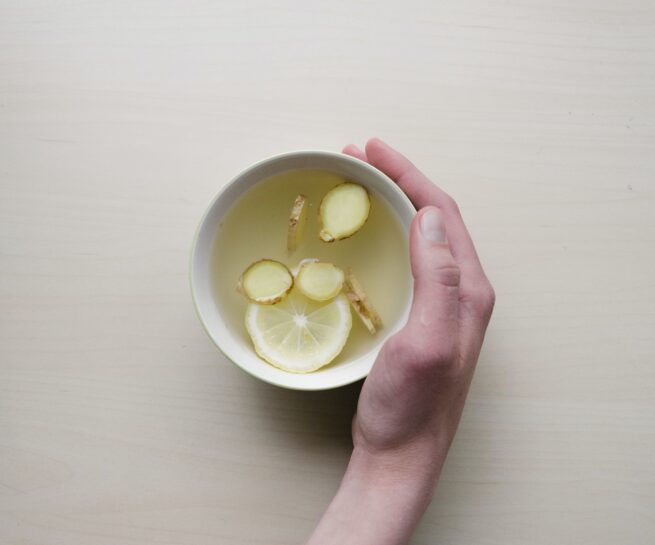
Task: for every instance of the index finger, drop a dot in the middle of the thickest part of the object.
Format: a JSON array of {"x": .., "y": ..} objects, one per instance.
[{"x": 422, "y": 192}]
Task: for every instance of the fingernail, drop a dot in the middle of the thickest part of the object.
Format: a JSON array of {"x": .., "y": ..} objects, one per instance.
[{"x": 432, "y": 227}]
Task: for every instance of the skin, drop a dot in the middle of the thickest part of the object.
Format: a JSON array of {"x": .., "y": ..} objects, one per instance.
[{"x": 410, "y": 405}]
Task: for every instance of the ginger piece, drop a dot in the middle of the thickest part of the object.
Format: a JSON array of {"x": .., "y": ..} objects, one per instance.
[
  {"x": 319, "y": 281},
  {"x": 266, "y": 282},
  {"x": 302, "y": 262},
  {"x": 343, "y": 211},
  {"x": 361, "y": 303},
  {"x": 297, "y": 221}
]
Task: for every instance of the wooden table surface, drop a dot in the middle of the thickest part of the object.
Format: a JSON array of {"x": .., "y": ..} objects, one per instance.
[{"x": 120, "y": 423}]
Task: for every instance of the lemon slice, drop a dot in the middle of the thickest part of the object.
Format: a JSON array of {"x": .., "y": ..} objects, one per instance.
[{"x": 299, "y": 335}]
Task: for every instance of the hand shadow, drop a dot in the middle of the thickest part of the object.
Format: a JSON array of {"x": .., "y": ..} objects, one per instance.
[{"x": 316, "y": 424}]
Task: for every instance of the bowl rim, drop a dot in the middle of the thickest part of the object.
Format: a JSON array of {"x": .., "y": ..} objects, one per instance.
[{"x": 243, "y": 173}]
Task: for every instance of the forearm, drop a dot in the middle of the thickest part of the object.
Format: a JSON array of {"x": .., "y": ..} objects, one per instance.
[{"x": 376, "y": 504}]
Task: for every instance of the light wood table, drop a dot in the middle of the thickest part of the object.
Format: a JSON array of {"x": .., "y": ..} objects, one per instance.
[{"x": 120, "y": 423}]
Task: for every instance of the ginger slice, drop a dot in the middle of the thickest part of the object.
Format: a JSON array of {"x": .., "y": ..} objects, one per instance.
[
  {"x": 343, "y": 211},
  {"x": 361, "y": 304},
  {"x": 319, "y": 281},
  {"x": 302, "y": 262},
  {"x": 266, "y": 282},
  {"x": 297, "y": 221}
]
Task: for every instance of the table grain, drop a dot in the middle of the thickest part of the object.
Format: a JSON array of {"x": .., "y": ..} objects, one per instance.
[{"x": 119, "y": 420}]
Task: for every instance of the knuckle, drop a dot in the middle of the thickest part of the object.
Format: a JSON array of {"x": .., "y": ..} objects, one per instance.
[
  {"x": 451, "y": 204},
  {"x": 441, "y": 356},
  {"x": 397, "y": 347},
  {"x": 490, "y": 298},
  {"x": 485, "y": 300},
  {"x": 421, "y": 355}
]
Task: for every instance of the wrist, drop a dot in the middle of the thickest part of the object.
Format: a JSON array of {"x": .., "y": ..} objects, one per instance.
[
  {"x": 379, "y": 502},
  {"x": 410, "y": 474}
]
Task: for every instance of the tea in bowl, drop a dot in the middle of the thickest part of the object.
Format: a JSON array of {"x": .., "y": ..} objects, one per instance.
[{"x": 300, "y": 268}]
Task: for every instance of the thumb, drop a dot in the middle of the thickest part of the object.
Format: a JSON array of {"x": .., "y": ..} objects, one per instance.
[{"x": 432, "y": 325}]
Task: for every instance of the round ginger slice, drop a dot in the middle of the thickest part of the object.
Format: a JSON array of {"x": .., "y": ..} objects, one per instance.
[
  {"x": 266, "y": 282},
  {"x": 301, "y": 263},
  {"x": 343, "y": 211},
  {"x": 320, "y": 281},
  {"x": 297, "y": 221},
  {"x": 361, "y": 303}
]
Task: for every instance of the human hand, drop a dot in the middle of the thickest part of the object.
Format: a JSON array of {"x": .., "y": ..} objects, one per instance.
[{"x": 412, "y": 400}]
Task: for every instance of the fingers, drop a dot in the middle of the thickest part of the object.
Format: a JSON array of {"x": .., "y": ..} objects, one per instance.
[
  {"x": 411, "y": 180},
  {"x": 432, "y": 328},
  {"x": 476, "y": 295},
  {"x": 422, "y": 192},
  {"x": 354, "y": 151}
]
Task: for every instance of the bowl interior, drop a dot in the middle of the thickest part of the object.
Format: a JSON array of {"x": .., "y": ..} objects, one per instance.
[{"x": 242, "y": 353}]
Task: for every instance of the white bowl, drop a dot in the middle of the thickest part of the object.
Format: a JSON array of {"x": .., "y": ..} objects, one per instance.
[{"x": 242, "y": 353}]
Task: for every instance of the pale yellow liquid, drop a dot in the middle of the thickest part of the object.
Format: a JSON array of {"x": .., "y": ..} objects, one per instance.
[{"x": 256, "y": 227}]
